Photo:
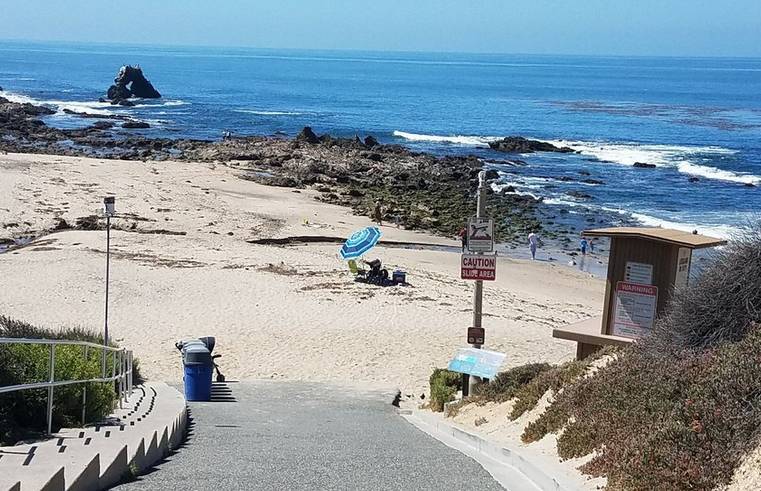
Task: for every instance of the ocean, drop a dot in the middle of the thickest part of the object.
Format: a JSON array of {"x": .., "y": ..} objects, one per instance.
[{"x": 698, "y": 120}]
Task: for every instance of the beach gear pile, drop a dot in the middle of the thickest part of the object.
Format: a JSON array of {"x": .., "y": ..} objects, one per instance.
[{"x": 357, "y": 245}]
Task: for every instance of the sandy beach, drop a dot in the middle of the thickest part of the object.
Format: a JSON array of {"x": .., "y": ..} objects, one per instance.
[{"x": 183, "y": 266}]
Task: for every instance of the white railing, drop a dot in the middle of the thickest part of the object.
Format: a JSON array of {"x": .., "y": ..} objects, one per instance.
[{"x": 121, "y": 372}]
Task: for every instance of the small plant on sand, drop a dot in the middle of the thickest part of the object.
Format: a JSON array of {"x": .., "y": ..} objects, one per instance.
[
  {"x": 444, "y": 385},
  {"x": 506, "y": 384}
]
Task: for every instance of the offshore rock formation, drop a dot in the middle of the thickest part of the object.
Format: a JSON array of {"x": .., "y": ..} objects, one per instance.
[
  {"x": 518, "y": 144},
  {"x": 130, "y": 82}
]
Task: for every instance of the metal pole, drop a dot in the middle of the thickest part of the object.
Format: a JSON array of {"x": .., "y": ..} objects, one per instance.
[
  {"x": 119, "y": 386},
  {"x": 108, "y": 267},
  {"x": 50, "y": 389},
  {"x": 131, "y": 379},
  {"x": 84, "y": 390},
  {"x": 478, "y": 292}
]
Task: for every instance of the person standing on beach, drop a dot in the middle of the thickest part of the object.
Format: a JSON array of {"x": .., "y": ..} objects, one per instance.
[
  {"x": 583, "y": 246},
  {"x": 533, "y": 243},
  {"x": 378, "y": 213},
  {"x": 463, "y": 234}
]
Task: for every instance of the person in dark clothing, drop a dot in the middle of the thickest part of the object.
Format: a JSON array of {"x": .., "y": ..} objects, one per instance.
[{"x": 463, "y": 234}]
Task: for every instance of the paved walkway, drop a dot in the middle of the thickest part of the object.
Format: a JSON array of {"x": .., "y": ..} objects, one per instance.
[{"x": 282, "y": 435}]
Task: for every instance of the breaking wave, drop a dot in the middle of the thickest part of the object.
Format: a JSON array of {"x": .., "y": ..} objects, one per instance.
[
  {"x": 672, "y": 156},
  {"x": 479, "y": 141},
  {"x": 268, "y": 113}
]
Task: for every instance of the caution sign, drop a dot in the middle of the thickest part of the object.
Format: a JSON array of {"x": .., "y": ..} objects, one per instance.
[
  {"x": 480, "y": 235},
  {"x": 635, "y": 309},
  {"x": 475, "y": 267}
]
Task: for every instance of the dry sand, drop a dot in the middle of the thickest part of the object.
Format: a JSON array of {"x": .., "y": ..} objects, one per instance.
[{"x": 304, "y": 319}]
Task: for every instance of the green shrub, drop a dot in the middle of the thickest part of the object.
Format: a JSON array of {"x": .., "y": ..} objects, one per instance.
[
  {"x": 444, "y": 385},
  {"x": 554, "y": 379},
  {"x": 677, "y": 420},
  {"x": 505, "y": 385},
  {"x": 23, "y": 414},
  {"x": 723, "y": 302},
  {"x": 680, "y": 408}
]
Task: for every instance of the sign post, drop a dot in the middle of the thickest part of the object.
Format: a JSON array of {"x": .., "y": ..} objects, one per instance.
[{"x": 476, "y": 267}]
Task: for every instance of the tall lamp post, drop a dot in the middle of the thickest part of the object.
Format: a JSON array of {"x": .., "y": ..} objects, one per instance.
[{"x": 109, "y": 209}]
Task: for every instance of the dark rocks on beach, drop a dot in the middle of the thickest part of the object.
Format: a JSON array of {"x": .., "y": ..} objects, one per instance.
[
  {"x": 135, "y": 124},
  {"x": 644, "y": 165},
  {"x": 102, "y": 125},
  {"x": 371, "y": 142},
  {"x": 130, "y": 82},
  {"x": 579, "y": 195},
  {"x": 491, "y": 175},
  {"x": 308, "y": 136},
  {"x": 518, "y": 144}
]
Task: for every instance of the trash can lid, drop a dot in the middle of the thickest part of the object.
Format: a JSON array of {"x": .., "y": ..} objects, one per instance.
[{"x": 196, "y": 354}]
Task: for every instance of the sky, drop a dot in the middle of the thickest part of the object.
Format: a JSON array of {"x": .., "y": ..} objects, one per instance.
[{"x": 585, "y": 27}]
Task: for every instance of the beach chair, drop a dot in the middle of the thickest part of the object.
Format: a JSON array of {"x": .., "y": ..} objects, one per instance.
[{"x": 355, "y": 269}]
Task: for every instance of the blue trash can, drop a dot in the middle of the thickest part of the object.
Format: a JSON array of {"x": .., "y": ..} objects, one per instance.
[{"x": 198, "y": 368}]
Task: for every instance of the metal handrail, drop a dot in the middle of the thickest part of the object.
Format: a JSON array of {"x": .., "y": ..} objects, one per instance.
[{"x": 121, "y": 374}]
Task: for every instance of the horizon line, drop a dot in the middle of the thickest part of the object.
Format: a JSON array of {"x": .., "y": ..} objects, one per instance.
[{"x": 358, "y": 50}]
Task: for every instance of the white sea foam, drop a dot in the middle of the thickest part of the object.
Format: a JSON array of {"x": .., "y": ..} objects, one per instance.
[
  {"x": 480, "y": 141},
  {"x": 674, "y": 156},
  {"x": 92, "y": 107},
  {"x": 268, "y": 113},
  {"x": 158, "y": 103},
  {"x": 720, "y": 231},
  {"x": 707, "y": 172}
]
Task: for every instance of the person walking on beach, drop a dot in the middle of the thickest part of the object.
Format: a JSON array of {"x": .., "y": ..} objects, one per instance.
[
  {"x": 378, "y": 213},
  {"x": 533, "y": 243},
  {"x": 463, "y": 234},
  {"x": 583, "y": 246}
]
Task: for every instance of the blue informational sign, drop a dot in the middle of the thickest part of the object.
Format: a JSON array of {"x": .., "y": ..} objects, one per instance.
[{"x": 478, "y": 362}]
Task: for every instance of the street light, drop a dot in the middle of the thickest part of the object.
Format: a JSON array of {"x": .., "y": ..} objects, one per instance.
[{"x": 109, "y": 210}]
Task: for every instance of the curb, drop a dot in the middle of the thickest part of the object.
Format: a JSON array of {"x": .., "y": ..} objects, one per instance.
[{"x": 510, "y": 467}]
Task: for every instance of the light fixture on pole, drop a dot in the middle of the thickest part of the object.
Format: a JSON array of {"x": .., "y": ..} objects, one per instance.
[{"x": 109, "y": 209}]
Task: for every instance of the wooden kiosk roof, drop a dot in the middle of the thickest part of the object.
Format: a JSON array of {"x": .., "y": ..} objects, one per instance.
[{"x": 670, "y": 236}]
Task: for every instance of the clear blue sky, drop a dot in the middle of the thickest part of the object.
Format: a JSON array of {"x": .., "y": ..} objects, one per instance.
[{"x": 627, "y": 27}]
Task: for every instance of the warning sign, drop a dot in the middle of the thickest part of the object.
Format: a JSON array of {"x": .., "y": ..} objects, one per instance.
[
  {"x": 635, "y": 309},
  {"x": 481, "y": 235},
  {"x": 475, "y": 267}
]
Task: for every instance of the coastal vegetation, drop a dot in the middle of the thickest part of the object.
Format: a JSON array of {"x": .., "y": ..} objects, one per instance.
[
  {"x": 679, "y": 409},
  {"x": 23, "y": 413}
]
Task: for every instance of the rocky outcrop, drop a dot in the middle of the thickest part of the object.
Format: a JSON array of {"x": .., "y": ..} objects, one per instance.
[
  {"x": 644, "y": 165},
  {"x": 308, "y": 136},
  {"x": 130, "y": 82},
  {"x": 518, "y": 144},
  {"x": 135, "y": 124}
]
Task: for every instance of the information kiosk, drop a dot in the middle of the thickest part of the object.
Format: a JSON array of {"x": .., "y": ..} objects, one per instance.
[{"x": 645, "y": 265}]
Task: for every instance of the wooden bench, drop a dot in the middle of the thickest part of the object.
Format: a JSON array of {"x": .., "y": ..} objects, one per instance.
[{"x": 588, "y": 338}]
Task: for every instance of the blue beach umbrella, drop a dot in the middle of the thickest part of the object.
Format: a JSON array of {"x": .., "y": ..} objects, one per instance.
[{"x": 360, "y": 242}]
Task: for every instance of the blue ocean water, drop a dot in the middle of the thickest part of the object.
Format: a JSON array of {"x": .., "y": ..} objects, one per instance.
[{"x": 692, "y": 117}]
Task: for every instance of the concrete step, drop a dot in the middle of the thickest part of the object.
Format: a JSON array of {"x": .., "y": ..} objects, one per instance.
[{"x": 144, "y": 431}]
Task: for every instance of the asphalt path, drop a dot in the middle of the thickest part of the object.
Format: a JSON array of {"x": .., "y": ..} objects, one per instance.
[{"x": 287, "y": 435}]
